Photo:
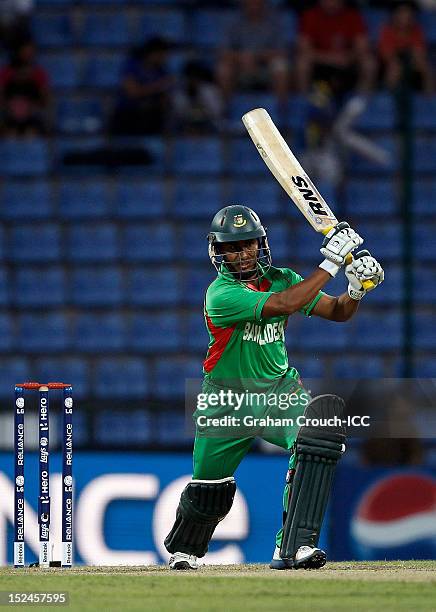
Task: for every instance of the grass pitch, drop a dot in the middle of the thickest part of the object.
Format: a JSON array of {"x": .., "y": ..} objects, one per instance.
[{"x": 354, "y": 587}]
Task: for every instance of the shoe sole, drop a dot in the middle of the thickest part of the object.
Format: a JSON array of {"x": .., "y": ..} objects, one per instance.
[
  {"x": 316, "y": 561},
  {"x": 183, "y": 565}
]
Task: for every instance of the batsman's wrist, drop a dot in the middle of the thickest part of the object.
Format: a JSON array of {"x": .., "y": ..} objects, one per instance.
[
  {"x": 329, "y": 267},
  {"x": 355, "y": 294}
]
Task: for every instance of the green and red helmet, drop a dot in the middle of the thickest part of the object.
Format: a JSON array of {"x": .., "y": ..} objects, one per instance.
[{"x": 232, "y": 224}]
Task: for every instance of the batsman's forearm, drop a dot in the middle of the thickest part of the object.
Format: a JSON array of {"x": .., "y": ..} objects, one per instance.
[
  {"x": 345, "y": 308},
  {"x": 297, "y": 296}
]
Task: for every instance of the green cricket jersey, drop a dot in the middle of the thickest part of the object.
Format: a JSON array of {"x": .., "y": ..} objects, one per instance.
[{"x": 243, "y": 345}]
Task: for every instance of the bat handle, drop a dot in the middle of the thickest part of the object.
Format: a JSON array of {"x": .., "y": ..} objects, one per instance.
[{"x": 368, "y": 284}]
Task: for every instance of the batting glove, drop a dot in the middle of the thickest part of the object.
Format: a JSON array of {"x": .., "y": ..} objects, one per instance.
[
  {"x": 363, "y": 268},
  {"x": 337, "y": 245}
]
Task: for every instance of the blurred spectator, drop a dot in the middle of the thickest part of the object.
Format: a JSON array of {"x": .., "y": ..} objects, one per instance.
[
  {"x": 198, "y": 104},
  {"x": 254, "y": 54},
  {"x": 24, "y": 93},
  {"x": 402, "y": 40},
  {"x": 14, "y": 21},
  {"x": 143, "y": 103},
  {"x": 333, "y": 46}
]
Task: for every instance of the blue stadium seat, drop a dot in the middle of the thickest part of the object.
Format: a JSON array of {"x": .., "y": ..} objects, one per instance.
[
  {"x": 29, "y": 200},
  {"x": 154, "y": 286},
  {"x": 173, "y": 428},
  {"x": 428, "y": 21},
  {"x": 52, "y": 30},
  {"x": 96, "y": 242},
  {"x": 34, "y": 243},
  {"x": 295, "y": 116},
  {"x": 197, "y": 156},
  {"x": 310, "y": 367},
  {"x": 244, "y": 159},
  {"x": 425, "y": 366},
  {"x": 12, "y": 371},
  {"x": 318, "y": 335},
  {"x": 425, "y": 331},
  {"x": 63, "y": 68},
  {"x": 53, "y": 3},
  {"x": 112, "y": 426},
  {"x": 88, "y": 199},
  {"x": 100, "y": 332},
  {"x": 71, "y": 370},
  {"x": 43, "y": 333},
  {"x": 80, "y": 116},
  {"x": 4, "y": 287},
  {"x": 39, "y": 287},
  {"x": 196, "y": 336},
  {"x": 155, "y": 333},
  {"x": 103, "y": 70},
  {"x": 197, "y": 199},
  {"x": 424, "y": 112},
  {"x": 379, "y": 113},
  {"x": 193, "y": 241},
  {"x": 424, "y": 196},
  {"x": 385, "y": 336},
  {"x": 360, "y": 165},
  {"x": 424, "y": 286},
  {"x": 244, "y": 102},
  {"x": 6, "y": 332},
  {"x": 280, "y": 241},
  {"x": 375, "y": 19},
  {"x": 425, "y": 153},
  {"x": 149, "y": 243},
  {"x": 120, "y": 378},
  {"x": 24, "y": 157},
  {"x": 384, "y": 240},
  {"x": 425, "y": 245},
  {"x": 371, "y": 198},
  {"x": 169, "y": 23},
  {"x": 101, "y": 287},
  {"x": 364, "y": 366},
  {"x": 140, "y": 199},
  {"x": 110, "y": 30},
  {"x": 262, "y": 196},
  {"x": 209, "y": 27},
  {"x": 170, "y": 376},
  {"x": 196, "y": 281},
  {"x": 303, "y": 244},
  {"x": 391, "y": 291}
]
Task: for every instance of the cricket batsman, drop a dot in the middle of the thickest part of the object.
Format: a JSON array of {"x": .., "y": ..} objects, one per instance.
[{"x": 247, "y": 308}]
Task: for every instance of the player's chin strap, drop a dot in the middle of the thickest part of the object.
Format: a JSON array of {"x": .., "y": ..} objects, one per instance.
[
  {"x": 203, "y": 504},
  {"x": 318, "y": 449}
]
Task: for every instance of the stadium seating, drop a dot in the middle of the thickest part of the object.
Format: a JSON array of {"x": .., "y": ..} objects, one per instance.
[
  {"x": 26, "y": 200},
  {"x": 52, "y": 30},
  {"x": 122, "y": 378},
  {"x": 91, "y": 242},
  {"x": 154, "y": 286},
  {"x": 155, "y": 333},
  {"x": 22, "y": 158},
  {"x": 39, "y": 287},
  {"x": 148, "y": 243},
  {"x": 70, "y": 370},
  {"x": 140, "y": 199},
  {"x": 34, "y": 243},
  {"x": 105, "y": 30},
  {"x": 12, "y": 370},
  {"x": 197, "y": 156},
  {"x": 6, "y": 333},
  {"x": 97, "y": 287},
  {"x": 42, "y": 333},
  {"x": 80, "y": 116},
  {"x": 98, "y": 333},
  {"x": 84, "y": 199},
  {"x": 4, "y": 287},
  {"x": 196, "y": 199}
]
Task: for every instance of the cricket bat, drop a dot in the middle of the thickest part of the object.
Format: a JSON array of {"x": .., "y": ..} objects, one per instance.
[{"x": 289, "y": 173}]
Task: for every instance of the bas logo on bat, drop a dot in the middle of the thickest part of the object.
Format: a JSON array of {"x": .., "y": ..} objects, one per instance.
[{"x": 309, "y": 195}]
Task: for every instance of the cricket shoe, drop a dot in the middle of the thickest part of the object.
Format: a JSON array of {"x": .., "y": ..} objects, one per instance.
[
  {"x": 182, "y": 561},
  {"x": 306, "y": 557}
]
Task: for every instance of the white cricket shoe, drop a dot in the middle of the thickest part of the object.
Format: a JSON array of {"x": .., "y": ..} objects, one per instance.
[
  {"x": 306, "y": 557},
  {"x": 182, "y": 561}
]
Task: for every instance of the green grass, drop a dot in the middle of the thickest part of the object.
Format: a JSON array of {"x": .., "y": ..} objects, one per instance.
[{"x": 355, "y": 587}]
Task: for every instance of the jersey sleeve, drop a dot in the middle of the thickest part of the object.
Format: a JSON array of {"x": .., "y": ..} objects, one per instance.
[
  {"x": 229, "y": 304},
  {"x": 292, "y": 279}
]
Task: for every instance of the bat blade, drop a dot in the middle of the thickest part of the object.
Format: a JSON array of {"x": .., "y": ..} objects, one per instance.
[{"x": 287, "y": 170}]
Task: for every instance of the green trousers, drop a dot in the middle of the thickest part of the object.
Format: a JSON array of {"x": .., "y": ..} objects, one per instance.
[{"x": 218, "y": 456}]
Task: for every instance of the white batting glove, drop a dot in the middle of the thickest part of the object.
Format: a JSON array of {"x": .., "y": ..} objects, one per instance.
[
  {"x": 338, "y": 243},
  {"x": 363, "y": 268}
]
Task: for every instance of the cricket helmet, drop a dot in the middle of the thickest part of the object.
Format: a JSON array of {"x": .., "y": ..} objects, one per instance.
[{"x": 234, "y": 223}]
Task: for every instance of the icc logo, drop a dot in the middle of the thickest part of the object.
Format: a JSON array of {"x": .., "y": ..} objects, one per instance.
[
  {"x": 20, "y": 402},
  {"x": 44, "y": 441},
  {"x": 68, "y": 481},
  {"x": 68, "y": 402},
  {"x": 19, "y": 481}
]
